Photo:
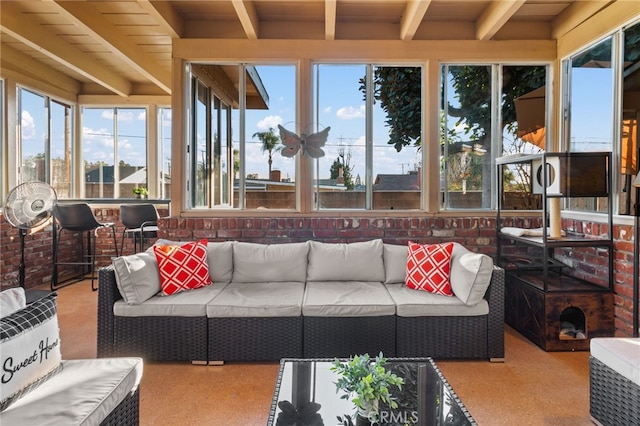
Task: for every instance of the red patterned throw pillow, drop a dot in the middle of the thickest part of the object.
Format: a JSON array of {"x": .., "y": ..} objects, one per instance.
[
  {"x": 182, "y": 267},
  {"x": 429, "y": 266}
]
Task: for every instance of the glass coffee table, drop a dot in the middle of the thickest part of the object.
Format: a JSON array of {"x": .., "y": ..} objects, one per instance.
[{"x": 306, "y": 395}]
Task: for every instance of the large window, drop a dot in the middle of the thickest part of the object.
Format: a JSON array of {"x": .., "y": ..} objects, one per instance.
[
  {"x": 110, "y": 137},
  {"x": 488, "y": 111},
  {"x": 373, "y": 156},
  {"x": 593, "y": 120},
  {"x": 236, "y": 160},
  {"x": 45, "y": 141}
]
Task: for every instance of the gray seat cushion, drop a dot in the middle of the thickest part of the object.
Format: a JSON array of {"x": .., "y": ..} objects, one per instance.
[
  {"x": 347, "y": 299},
  {"x": 190, "y": 303},
  {"x": 83, "y": 393},
  {"x": 418, "y": 303},
  {"x": 263, "y": 299}
]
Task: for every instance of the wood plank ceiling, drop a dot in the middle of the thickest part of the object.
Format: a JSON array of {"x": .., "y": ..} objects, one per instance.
[{"x": 124, "y": 47}]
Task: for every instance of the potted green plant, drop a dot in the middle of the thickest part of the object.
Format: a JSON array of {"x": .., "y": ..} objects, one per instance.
[
  {"x": 140, "y": 192},
  {"x": 366, "y": 382}
]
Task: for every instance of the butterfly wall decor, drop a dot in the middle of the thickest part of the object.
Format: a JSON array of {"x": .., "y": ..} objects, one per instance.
[{"x": 311, "y": 145}]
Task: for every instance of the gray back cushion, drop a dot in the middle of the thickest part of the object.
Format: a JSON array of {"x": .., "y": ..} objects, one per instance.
[
  {"x": 470, "y": 274},
  {"x": 395, "y": 263},
  {"x": 269, "y": 262},
  {"x": 219, "y": 258},
  {"x": 346, "y": 262},
  {"x": 137, "y": 277}
]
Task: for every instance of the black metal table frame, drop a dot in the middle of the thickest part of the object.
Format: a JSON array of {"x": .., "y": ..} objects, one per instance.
[{"x": 274, "y": 402}]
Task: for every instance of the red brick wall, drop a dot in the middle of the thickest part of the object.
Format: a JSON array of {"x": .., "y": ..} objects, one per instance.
[{"x": 476, "y": 233}]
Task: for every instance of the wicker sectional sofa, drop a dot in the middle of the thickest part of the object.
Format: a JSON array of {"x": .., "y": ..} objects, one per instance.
[{"x": 295, "y": 300}]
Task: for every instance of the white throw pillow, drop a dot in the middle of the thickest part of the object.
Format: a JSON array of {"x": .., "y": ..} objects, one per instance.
[
  {"x": 137, "y": 277},
  {"x": 470, "y": 274},
  {"x": 12, "y": 300},
  {"x": 346, "y": 261},
  {"x": 29, "y": 349}
]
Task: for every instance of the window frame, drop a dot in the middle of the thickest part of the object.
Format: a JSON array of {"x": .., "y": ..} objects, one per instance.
[{"x": 47, "y": 142}]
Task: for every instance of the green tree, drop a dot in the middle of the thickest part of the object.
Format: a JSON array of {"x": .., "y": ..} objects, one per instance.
[
  {"x": 343, "y": 162},
  {"x": 269, "y": 141},
  {"x": 236, "y": 163},
  {"x": 399, "y": 91}
]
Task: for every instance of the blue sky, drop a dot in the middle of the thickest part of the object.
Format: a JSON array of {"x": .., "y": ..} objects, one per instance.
[{"x": 340, "y": 106}]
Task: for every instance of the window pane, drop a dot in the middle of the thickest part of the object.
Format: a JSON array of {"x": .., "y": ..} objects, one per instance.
[
  {"x": 200, "y": 159},
  {"x": 466, "y": 136},
  {"x": 98, "y": 140},
  {"x": 132, "y": 150},
  {"x": 164, "y": 151},
  {"x": 629, "y": 150},
  {"x": 340, "y": 175},
  {"x": 523, "y": 130},
  {"x": 271, "y": 101},
  {"x": 591, "y": 100},
  {"x": 397, "y": 126},
  {"x": 223, "y": 170},
  {"x": 61, "y": 149},
  {"x": 33, "y": 135}
]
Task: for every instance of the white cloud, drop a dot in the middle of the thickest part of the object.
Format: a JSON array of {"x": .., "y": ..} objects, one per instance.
[
  {"x": 270, "y": 121},
  {"x": 327, "y": 109},
  {"x": 107, "y": 113},
  {"x": 142, "y": 116},
  {"x": 125, "y": 116},
  {"x": 28, "y": 126},
  {"x": 124, "y": 144},
  {"x": 349, "y": 112}
]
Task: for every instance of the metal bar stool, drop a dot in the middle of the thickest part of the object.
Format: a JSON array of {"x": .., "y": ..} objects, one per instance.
[
  {"x": 140, "y": 221},
  {"x": 78, "y": 218}
]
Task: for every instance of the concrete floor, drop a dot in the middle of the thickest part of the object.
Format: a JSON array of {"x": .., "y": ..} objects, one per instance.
[{"x": 532, "y": 387}]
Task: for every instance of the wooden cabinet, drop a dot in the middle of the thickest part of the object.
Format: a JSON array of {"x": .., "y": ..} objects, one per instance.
[{"x": 548, "y": 299}]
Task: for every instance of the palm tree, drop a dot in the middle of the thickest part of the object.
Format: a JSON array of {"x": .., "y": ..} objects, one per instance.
[{"x": 269, "y": 141}]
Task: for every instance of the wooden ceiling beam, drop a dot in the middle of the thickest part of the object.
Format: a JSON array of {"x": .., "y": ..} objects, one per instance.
[
  {"x": 29, "y": 32},
  {"x": 574, "y": 15},
  {"x": 330, "y": 7},
  {"x": 14, "y": 59},
  {"x": 412, "y": 18},
  {"x": 165, "y": 15},
  {"x": 495, "y": 16},
  {"x": 87, "y": 17},
  {"x": 248, "y": 18}
]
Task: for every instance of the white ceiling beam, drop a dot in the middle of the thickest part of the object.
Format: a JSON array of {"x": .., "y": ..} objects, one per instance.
[
  {"x": 495, "y": 16},
  {"x": 574, "y": 15},
  {"x": 165, "y": 15},
  {"x": 87, "y": 17},
  {"x": 248, "y": 18},
  {"x": 330, "y": 19},
  {"x": 37, "y": 37},
  {"x": 412, "y": 18}
]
